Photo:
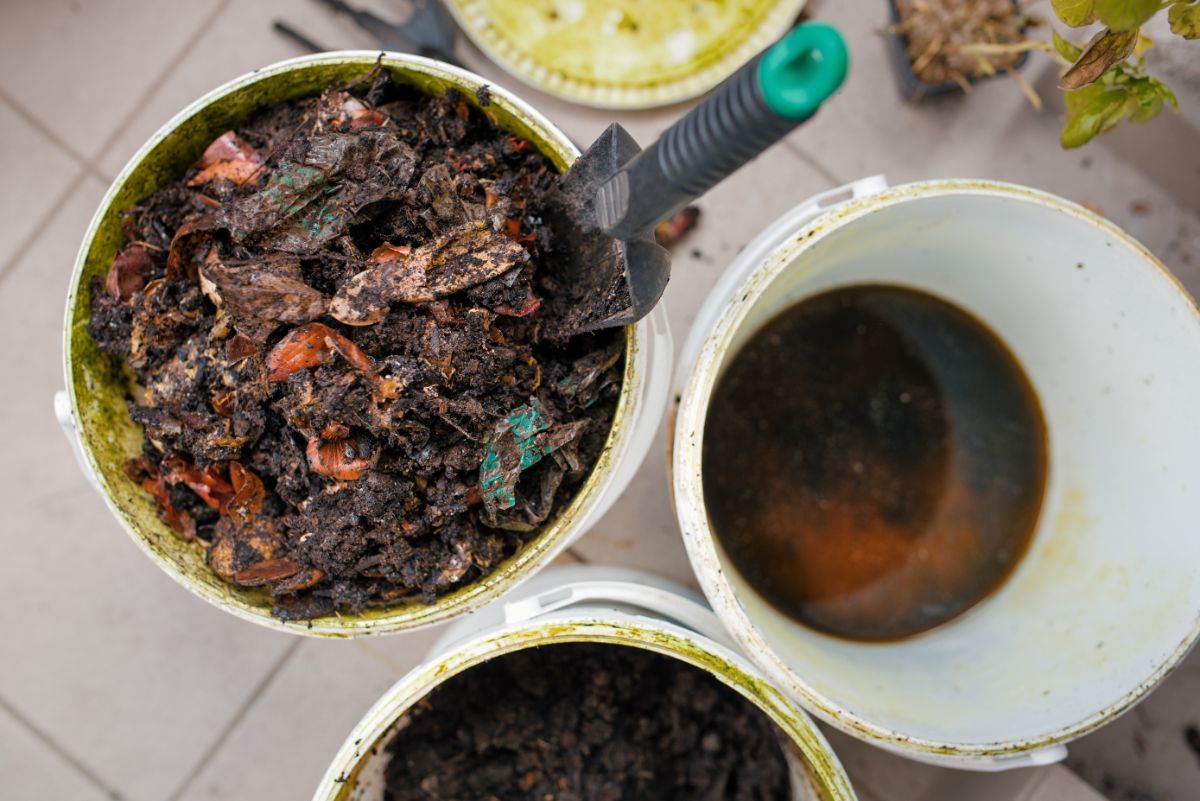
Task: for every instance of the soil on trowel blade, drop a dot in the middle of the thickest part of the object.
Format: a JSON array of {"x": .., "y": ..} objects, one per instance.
[
  {"x": 586, "y": 722},
  {"x": 336, "y": 325}
]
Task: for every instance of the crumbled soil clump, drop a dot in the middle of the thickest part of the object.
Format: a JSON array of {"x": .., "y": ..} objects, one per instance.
[
  {"x": 335, "y": 324},
  {"x": 586, "y": 722}
]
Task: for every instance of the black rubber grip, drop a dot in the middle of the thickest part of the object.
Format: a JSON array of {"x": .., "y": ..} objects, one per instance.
[
  {"x": 721, "y": 134},
  {"x": 729, "y": 128}
]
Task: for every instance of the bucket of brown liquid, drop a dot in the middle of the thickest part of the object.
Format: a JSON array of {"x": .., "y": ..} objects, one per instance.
[{"x": 935, "y": 462}]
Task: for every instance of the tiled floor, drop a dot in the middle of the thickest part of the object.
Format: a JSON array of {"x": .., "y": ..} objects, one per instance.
[{"x": 115, "y": 683}]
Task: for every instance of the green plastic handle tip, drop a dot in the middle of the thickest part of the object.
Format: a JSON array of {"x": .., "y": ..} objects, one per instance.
[{"x": 803, "y": 69}]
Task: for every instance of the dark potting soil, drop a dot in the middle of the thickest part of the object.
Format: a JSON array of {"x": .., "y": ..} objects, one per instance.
[
  {"x": 336, "y": 325},
  {"x": 586, "y": 722}
]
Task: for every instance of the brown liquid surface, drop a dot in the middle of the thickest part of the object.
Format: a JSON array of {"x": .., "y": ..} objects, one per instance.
[{"x": 874, "y": 462}]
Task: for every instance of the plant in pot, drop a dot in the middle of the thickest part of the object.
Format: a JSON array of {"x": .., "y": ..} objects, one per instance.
[
  {"x": 1106, "y": 80},
  {"x": 944, "y": 46}
]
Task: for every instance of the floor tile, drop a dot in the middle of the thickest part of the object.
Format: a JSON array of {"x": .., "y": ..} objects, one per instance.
[
  {"x": 36, "y": 172},
  {"x": 33, "y": 296},
  {"x": 282, "y": 747},
  {"x": 33, "y": 771},
  {"x": 240, "y": 39},
  {"x": 82, "y": 67},
  {"x": 1145, "y": 755},
  {"x": 129, "y": 673}
]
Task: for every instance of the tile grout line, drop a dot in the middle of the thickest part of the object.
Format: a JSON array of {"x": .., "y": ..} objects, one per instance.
[
  {"x": 88, "y": 167},
  {"x": 40, "y": 227},
  {"x": 58, "y": 750},
  {"x": 48, "y": 132},
  {"x": 814, "y": 163},
  {"x": 238, "y": 717},
  {"x": 201, "y": 29}
]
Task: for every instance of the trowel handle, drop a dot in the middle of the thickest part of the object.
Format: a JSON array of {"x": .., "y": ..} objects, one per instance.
[{"x": 752, "y": 110}]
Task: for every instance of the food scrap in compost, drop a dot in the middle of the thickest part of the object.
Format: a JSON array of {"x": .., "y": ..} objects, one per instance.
[{"x": 335, "y": 324}]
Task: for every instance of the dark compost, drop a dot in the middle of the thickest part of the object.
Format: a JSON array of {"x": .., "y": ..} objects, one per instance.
[
  {"x": 586, "y": 722},
  {"x": 335, "y": 326}
]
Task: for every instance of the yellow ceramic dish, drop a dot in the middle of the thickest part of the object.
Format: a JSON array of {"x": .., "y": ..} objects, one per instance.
[{"x": 623, "y": 53}]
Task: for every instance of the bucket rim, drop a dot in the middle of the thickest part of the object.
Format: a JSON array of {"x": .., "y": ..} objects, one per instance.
[
  {"x": 532, "y": 556},
  {"x": 698, "y": 379},
  {"x": 591, "y": 625}
]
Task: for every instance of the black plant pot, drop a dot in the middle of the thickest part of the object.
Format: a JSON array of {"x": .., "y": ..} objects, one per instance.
[{"x": 913, "y": 88}]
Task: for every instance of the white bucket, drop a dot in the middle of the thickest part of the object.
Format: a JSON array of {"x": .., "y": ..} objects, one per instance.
[
  {"x": 1107, "y": 601},
  {"x": 92, "y": 409},
  {"x": 594, "y": 604}
]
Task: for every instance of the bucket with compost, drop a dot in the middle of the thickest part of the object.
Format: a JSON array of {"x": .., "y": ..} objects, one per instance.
[
  {"x": 308, "y": 357},
  {"x": 592, "y": 683}
]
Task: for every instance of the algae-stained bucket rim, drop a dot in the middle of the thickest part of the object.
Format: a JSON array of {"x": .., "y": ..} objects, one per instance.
[
  {"x": 472, "y": 18},
  {"x": 783, "y": 249},
  {"x": 667, "y": 639},
  {"x": 152, "y": 536}
]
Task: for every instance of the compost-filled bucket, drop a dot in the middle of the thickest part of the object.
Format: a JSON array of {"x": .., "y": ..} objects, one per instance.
[
  {"x": 94, "y": 408},
  {"x": 1107, "y": 600},
  {"x": 587, "y": 604}
]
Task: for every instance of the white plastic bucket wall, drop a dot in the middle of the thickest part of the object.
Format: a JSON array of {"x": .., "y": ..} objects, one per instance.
[
  {"x": 1108, "y": 599},
  {"x": 93, "y": 396},
  {"x": 598, "y": 605}
]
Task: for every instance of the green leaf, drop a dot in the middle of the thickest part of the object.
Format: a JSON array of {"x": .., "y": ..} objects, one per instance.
[
  {"x": 1143, "y": 103},
  {"x": 1073, "y": 12},
  {"x": 1068, "y": 50},
  {"x": 1103, "y": 112},
  {"x": 1079, "y": 99},
  {"x": 1125, "y": 15},
  {"x": 1106, "y": 49},
  {"x": 1185, "y": 19}
]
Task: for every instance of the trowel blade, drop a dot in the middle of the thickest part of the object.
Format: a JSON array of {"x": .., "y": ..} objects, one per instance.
[{"x": 603, "y": 282}]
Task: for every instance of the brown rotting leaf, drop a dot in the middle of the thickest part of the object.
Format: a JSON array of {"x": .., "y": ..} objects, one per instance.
[
  {"x": 463, "y": 257},
  {"x": 267, "y": 571}
]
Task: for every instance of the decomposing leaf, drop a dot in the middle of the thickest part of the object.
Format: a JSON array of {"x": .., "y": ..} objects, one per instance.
[
  {"x": 312, "y": 345},
  {"x": 227, "y": 147},
  {"x": 309, "y": 202},
  {"x": 248, "y": 493},
  {"x": 1126, "y": 15},
  {"x": 344, "y": 459},
  {"x": 259, "y": 295},
  {"x": 128, "y": 271},
  {"x": 227, "y": 158},
  {"x": 1103, "y": 51},
  {"x": 190, "y": 240},
  {"x": 211, "y": 488},
  {"x": 267, "y": 572},
  {"x": 302, "y": 580},
  {"x": 238, "y": 347},
  {"x": 465, "y": 256},
  {"x": 236, "y": 547},
  {"x": 1184, "y": 18},
  {"x": 1074, "y": 12},
  {"x": 521, "y": 440}
]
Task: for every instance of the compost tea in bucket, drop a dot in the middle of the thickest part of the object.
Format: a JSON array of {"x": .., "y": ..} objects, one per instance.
[
  {"x": 874, "y": 462},
  {"x": 333, "y": 326},
  {"x": 586, "y": 722}
]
